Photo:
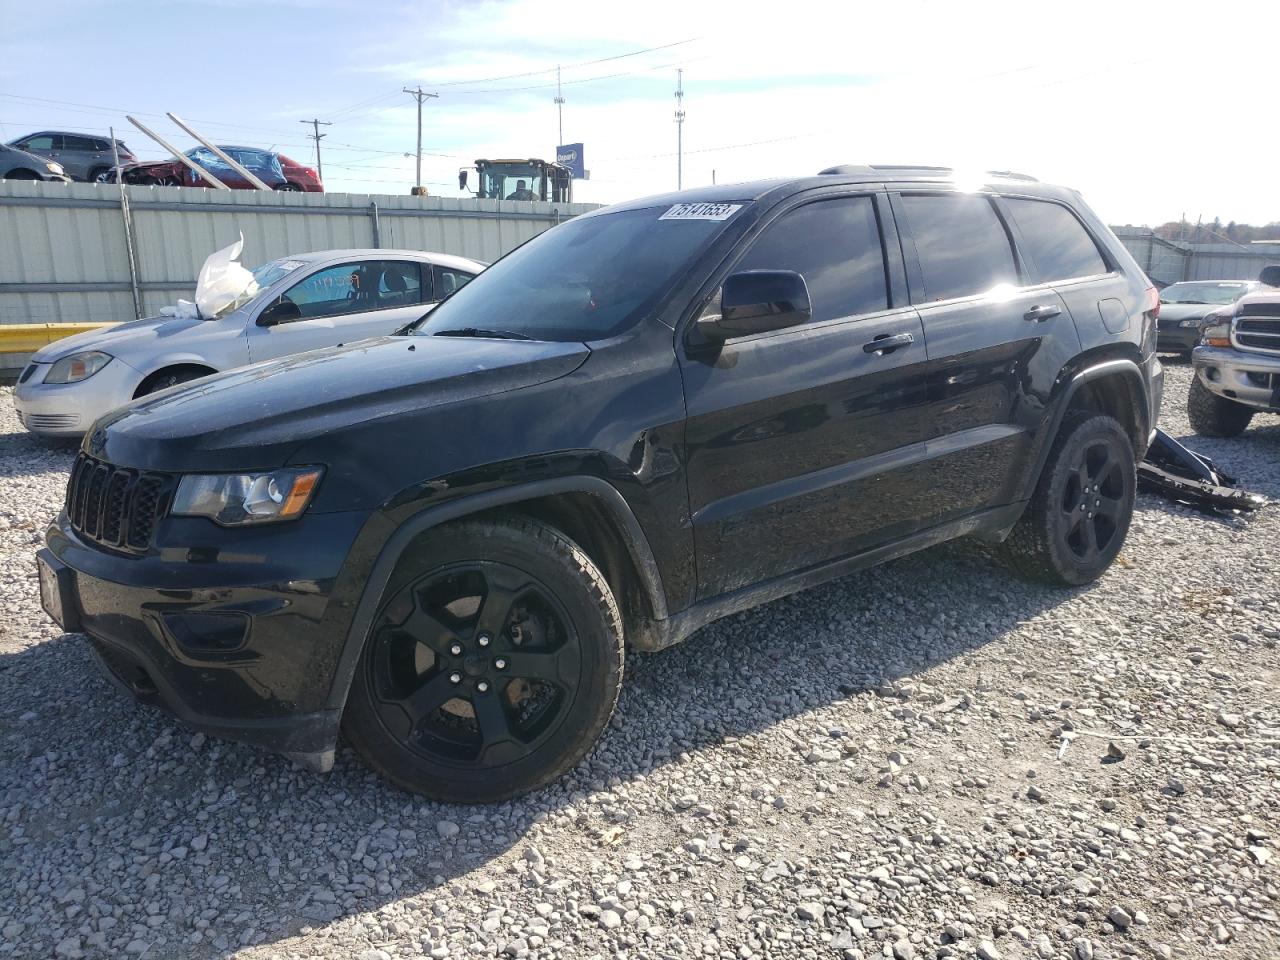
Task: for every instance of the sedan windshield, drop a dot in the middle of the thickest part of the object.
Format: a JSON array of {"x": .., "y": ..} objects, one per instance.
[
  {"x": 1207, "y": 292},
  {"x": 263, "y": 277},
  {"x": 587, "y": 279}
]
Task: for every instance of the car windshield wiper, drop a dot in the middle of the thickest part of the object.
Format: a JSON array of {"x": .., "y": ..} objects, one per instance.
[{"x": 481, "y": 332}]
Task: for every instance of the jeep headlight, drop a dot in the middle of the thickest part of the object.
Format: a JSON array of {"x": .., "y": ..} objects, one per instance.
[
  {"x": 240, "y": 499},
  {"x": 77, "y": 367}
]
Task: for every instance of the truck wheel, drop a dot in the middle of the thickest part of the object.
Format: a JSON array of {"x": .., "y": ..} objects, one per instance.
[
  {"x": 1079, "y": 514},
  {"x": 1215, "y": 416},
  {"x": 492, "y": 667}
]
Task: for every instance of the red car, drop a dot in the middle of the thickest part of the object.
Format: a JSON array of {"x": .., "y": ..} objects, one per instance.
[{"x": 274, "y": 169}]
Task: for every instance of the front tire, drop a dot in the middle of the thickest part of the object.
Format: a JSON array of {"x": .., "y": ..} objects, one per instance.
[
  {"x": 492, "y": 667},
  {"x": 1215, "y": 416},
  {"x": 1079, "y": 515}
]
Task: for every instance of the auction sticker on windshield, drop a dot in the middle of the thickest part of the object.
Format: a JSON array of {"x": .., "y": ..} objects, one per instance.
[{"x": 701, "y": 211}]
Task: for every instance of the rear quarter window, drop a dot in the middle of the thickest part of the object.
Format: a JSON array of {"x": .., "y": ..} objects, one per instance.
[{"x": 1056, "y": 242}]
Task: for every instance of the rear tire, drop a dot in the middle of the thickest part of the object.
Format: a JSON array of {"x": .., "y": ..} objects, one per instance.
[
  {"x": 97, "y": 175},
  {"x": 1079, "y": 515},
  {"x": 492, "y": 667},
  {"x": 1215, "y": 416}
]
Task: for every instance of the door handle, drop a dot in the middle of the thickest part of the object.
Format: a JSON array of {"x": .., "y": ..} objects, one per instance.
[
  {"x": 887, "y": 343},
  {"x": 1042, "y": 312}
]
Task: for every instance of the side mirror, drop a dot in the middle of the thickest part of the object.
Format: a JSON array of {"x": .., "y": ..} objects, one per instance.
[
  {"x": 280, "y": 311},
  {"x": 757, "y": 301},
  {"x": 1270, "y": 276},
  {"x": 462, "y": 179}
]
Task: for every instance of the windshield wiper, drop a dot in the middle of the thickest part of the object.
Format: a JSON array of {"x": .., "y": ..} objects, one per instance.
[{"x": 481, "y": 332}]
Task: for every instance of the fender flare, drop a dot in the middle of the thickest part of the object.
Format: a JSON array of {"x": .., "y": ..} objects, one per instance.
[
  {"x": 380, "y": 573},
  {"x": 1106, "y": 368}
]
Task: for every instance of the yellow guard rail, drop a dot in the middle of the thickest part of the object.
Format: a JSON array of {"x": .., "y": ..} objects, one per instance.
[{"x": 28, "y": 337}]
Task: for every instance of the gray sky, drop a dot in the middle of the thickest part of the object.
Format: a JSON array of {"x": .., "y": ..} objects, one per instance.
[{"x": 1151, "y": 109}]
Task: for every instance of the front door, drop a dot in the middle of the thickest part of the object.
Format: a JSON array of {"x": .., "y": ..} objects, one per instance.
[
  {"x": 804, "y": 444},
  {"x": 997, "y": 340},
  {"x": 340, "y": 304}
]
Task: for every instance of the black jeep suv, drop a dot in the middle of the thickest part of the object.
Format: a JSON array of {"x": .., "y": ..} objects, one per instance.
[{"x": 648, "y": 417}]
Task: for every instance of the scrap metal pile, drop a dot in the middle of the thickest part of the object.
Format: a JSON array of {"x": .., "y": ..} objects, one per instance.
[{"x": 1173, "y": 471}]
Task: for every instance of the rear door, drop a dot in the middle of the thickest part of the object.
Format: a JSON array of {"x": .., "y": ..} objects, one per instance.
[
  {"x": 1061, "y": 252},
  {"x": 804, "y": 444},
  {"x": 996, "y": 340},
  {"x": 78, "y": 156},
  {"x": 339, "y": 304}
]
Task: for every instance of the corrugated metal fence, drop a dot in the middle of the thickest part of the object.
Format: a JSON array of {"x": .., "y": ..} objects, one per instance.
[
  {"x": 63, "y": 256},
  {"x": 1168, "y": 261}
]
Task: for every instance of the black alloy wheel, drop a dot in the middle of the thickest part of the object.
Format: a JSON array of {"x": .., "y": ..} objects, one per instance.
[
  {"x": 1093, "y": 502},
  {"x": 492, "y": 666},
  {"x": 1078, "y": 517},
  {"x": 474, "y": 664}
]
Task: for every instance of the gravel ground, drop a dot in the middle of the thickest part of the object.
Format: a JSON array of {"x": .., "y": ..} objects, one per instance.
[{"x": 928, "y": 759}]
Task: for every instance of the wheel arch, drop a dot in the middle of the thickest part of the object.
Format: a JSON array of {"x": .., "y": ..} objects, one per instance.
[
  {"x": 587, "y": 509},
  {"x": 1110, "y": 385},
  {"x": 172, "y": 365}
]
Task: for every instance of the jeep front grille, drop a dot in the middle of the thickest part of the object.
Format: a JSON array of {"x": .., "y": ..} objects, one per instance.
[{"x": 115, "y": 506}]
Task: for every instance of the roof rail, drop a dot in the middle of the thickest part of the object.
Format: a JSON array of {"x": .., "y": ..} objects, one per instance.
[{"x": 851, "y": 168}]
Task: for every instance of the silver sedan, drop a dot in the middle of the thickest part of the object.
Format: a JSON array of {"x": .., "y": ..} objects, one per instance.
[{"x": 301, "y": 303}]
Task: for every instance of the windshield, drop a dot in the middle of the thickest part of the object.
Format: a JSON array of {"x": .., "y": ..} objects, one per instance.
[
  {"x": 263, "y": 277},
  {"x": 587, "y": 279},
  {"x": 1204, "y": 292}
]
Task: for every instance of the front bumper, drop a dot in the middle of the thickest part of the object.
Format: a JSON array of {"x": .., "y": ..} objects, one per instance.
[
  {"x": 69, "y": 409},
  {"x": 241, "y": 643},
  {"x": 1177, "y": 339},
  {"x": 1249, "y": 378}
]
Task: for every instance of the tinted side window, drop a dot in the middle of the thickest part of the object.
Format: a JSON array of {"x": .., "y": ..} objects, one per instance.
[
  {"x": 79, "y": 144},
  {"x": 962, "y": 245},
  {"x": 1056, "y": 240},
  {"x": 835, "y": 245},
  {"x": 40, "y": 143},
  {"x": 356, "y": 288}
]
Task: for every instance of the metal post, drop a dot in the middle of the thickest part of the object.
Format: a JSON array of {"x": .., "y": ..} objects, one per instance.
[
  {"x": 419, "y": 96},
  {"x": 128, "y": 229},
  {"x": 177, "y": 155},
  {"x": 220, "y": 154},
  {"x": 680, "y": 129},
  {"x": 317, "y": 137},
  {"x": 559, "y": 105},
  {"x": 377, "y": 226}
]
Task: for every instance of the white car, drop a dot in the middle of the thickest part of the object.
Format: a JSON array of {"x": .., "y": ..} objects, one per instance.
[{"x": 302, "y": 303}]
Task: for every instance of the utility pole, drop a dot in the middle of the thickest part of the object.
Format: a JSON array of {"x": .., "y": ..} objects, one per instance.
[
  {"x": 559, "y": 105},
  {"x": 317, "y": 136},
  {"x": 419, "y": 96},
  {"x": 680, "y": 128}
]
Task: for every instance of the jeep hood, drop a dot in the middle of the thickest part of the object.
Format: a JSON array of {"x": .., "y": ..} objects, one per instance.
[{"x": 255, "y": 416}]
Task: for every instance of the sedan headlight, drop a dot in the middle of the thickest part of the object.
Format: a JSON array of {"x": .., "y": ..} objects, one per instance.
[
  {"x": 239, "y": 499},
  {"x": 55, "y": 168},
  {"x": 77, "y": 367}
]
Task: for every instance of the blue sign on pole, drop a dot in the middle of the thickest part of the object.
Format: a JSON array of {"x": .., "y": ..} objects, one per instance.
[{"x": 570, "y": 155}]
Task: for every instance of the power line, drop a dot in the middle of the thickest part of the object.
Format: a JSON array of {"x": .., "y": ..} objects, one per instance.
[
  {"x": 555, "y": 69},
  {"x": 317, "y": 137}
]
